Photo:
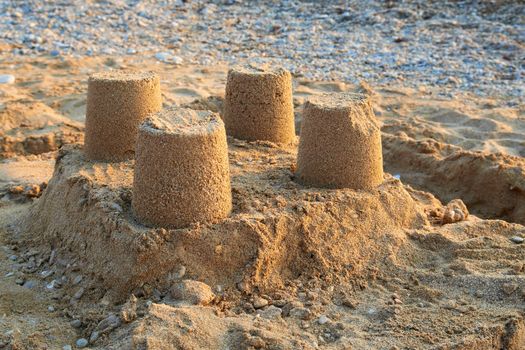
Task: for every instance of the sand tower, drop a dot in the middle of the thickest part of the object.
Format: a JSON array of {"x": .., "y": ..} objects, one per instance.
[
  {"x": 117, "y": 103},
  {"x": 181, "y": 169},
  {"x": 340, "y": 144},
  {"x": 258, "y": 105}
]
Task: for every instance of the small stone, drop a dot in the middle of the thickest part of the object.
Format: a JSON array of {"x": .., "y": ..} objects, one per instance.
[
  {"x": 50, "y": 309},
  {"x": 279, "y": 302},
  {"x": 52, "y": 257},
  {"x": 67, "y": 347},
  {"x": 108, "y": 324},
  {"x": 193, "y": 292},
  {"x": 163, "y": 56},
  {"x": 94, "y": 336},
  {"x": 450, "y": 305},
  {"x": 259, "y": 302},
  {"x": 76, "y": 323},
  {"x": 81, "y": 343},
  {"x": 19, "y": 281},
  {"x": 517, "y": 239},
  {"x": 129, "y": 310},
  {"x": 46, "y": 273},
  {"x": 77, "y": 279},
  {"x": 78, "y": 294},
  {"x": 455, "y": 211},
  {"x": 116, "y": 207},
  {"x": 509, "y": 288},
  {"x": 13, "y": 257},
  {"x": 29, "y": 284},
  {"x": 301, "y": 313},
  {"x": 180, "y": 272},
  {"x": 54, "y": 53},
  {"x": 271, "y": 313},
  {"x": 16, "y": 189},
  {"x": 323, "y": 319},
  {"x": 256, "y": 343},
  {"x": 7, "y": 79}
]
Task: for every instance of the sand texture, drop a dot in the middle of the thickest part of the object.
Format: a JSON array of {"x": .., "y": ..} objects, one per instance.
[
  {"x": 429, "y": 259},
  {"x": 181, "y": 173},
  {"x": 258, "y": 105},
  {"x": 117, "y": 102},
  {"x": 340, "y": 143}
]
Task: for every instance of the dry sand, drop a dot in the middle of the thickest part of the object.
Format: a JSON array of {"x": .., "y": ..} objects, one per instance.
[{"x": 292, "y": 267}]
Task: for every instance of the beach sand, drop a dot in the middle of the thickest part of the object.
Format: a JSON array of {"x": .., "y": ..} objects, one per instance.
[{"x": 292, "y": 267}]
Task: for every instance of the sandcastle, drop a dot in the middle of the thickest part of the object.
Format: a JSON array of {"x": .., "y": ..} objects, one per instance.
[
  {"x": 117, "y": 103},
  {"x": 181, "y": 169},
  {"x": 178, "y": 192},
  {"x": 259, "y": 106},
  {"x": 340, "y": 144}
]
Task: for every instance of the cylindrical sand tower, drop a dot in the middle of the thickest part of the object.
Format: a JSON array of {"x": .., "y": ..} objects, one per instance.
[
  {"x": 340, "y": 144},
  {"x": 117, "y": 103},
  {"x": 259, "y": 106},
  {"x": 181, "y": 169}
]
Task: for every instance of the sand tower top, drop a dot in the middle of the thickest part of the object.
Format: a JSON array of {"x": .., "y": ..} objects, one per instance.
[
  {"x": 357, "y": 106},
  {"x": 258, "y": 71},
  {"x": 182, "y": 121},
  {"x": 123, "y": 76}
]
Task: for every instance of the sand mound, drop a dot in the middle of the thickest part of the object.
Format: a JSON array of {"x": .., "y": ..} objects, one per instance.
[
  {"x": 492, "y": 185},
  {"x": 278, "y": 230}
]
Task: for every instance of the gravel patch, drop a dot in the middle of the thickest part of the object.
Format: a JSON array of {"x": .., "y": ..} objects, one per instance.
[{"x": 459, "y": 46}]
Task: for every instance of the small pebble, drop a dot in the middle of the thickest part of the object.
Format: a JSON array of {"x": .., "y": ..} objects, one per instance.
[
  {"x": 13, "y": 257},
  {"x": 81, "y": 343},
  {"x": 78, "y": 294},
  {"x": 7, "y": 79},
  {"x": 67, "y": 347},
  {"x": 163, "y": 56},
  {"x": 46, "y": 273},
  {"x": 323, "y": 319},
  {"x": 94, "y": 336},
  {"x": 517, "y": 239},
  {"x": 259, "y": 302},
  {"x": 76, "y": 323},
  {"x": 50, "y": 309},
  {"x": 29, "y": 284}
]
